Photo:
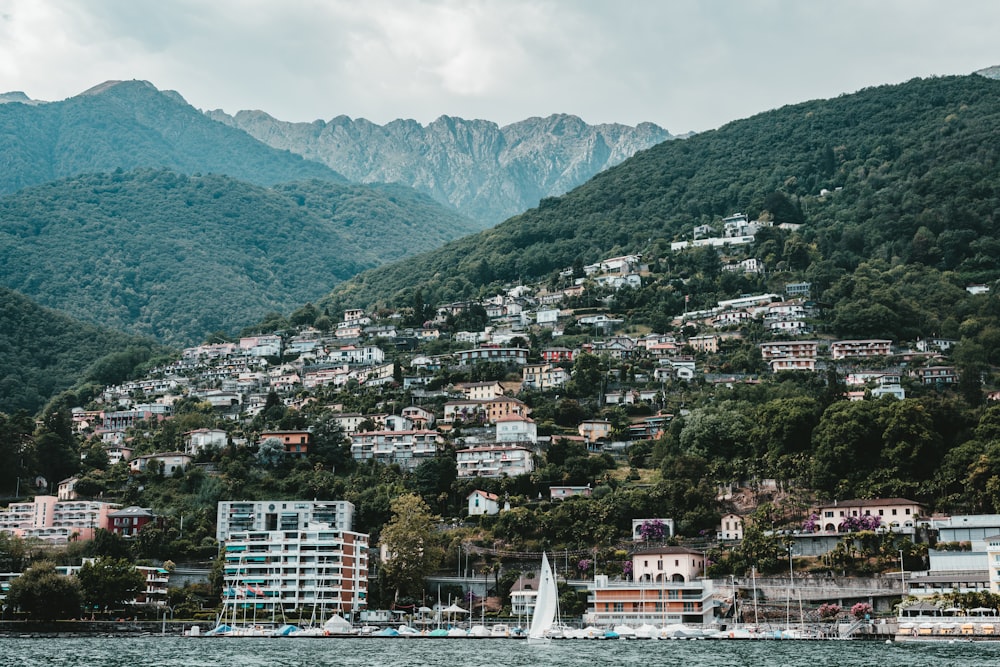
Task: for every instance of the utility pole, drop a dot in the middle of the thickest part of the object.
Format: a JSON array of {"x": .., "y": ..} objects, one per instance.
[{"x": 791, "y": 582}]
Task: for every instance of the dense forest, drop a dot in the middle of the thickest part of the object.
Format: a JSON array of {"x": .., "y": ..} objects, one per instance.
[
  {"x": 44, "y": 352},
  {"x": 904, "y": 174},
  {"x": 174, "y": 257}
]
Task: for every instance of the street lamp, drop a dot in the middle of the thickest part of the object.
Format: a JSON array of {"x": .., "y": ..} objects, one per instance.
[{"x": 902, "y": 571}]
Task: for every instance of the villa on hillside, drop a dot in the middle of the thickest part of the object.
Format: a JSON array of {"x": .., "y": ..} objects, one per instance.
[{"x": 896, "y": 514}]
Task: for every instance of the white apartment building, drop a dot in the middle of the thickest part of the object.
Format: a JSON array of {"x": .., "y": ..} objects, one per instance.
[
  {"x": 408, "y": 449},
  {"x": 507, "y": 355},
  {"x": 516, "y": 428},
  {"x": 314, "y": 568},
  {"x": 543, "y": 376},
  {"x": 366, "y": 355},
  {"x": 237, "y": 516},
  {"x": 494, "y": 461},
  {"x": 199, "y": 439}
]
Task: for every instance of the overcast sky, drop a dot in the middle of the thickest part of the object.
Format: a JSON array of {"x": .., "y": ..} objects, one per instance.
[{"x": 685, "y": 65}]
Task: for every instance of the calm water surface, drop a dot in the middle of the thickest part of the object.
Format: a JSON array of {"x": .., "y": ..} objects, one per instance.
[{"x": 289, "y": 652}]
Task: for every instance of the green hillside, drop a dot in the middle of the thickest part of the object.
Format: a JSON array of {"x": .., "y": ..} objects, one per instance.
[
  {"x": 43, "y": 352},
  {"x": 131, "y": 124},
  {"x": 175, "y": 257},
  {"x": 912, "y": 173}
]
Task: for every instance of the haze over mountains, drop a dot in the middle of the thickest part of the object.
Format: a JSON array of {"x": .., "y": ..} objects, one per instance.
[{"x": 487, "y": 172}]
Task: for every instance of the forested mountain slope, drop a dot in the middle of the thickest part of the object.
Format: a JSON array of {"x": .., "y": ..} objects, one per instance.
[
  {"x": 905, "y": 174},
  {"x": 43, "y": 352},
  {"x": 131, "y": 124},
  {"x": 176, "y": 257}
]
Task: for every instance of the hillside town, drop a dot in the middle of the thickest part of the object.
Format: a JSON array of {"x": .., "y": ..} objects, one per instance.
[{"x": 437, "y": 390}]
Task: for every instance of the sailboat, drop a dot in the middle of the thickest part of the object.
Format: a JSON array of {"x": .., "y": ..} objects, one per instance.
[{"x": 546, "y": 605}]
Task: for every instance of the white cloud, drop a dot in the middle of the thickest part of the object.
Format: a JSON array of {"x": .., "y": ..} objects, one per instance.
[{"x": 684, "y": 64}]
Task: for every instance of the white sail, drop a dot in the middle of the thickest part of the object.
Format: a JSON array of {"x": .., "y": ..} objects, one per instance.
[{"x": 546, "y": 603}]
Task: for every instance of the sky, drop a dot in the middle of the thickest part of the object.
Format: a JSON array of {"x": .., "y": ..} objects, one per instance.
[{"x": 684, "y": 65}]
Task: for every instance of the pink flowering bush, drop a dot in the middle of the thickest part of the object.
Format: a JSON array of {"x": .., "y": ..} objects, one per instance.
[
  {"x": 653, "y": 529},
  {"x": 861, "y": 610},
  {"x": 829, "y": 611},
  {"x": 853, "y": 524}
]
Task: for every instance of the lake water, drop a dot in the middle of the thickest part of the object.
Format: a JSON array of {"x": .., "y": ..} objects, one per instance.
[{"x": 321, "y": 652}]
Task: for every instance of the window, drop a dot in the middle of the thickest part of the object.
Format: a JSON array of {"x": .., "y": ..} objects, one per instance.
[
  {"x": 881, "y": 512},
  {"x": 894, "y": 512},
  {"x": 907, "y": 510}
]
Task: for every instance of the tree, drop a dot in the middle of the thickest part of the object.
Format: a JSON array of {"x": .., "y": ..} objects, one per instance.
[
  {"x": 587, "y": 369},
  {"x": 44, "y": 594},
  {"x": 109, "y": 583},
  {"x": 13, "y": 553},
  {"x": 108, "y": 544},
  {"x": 847, "y": 443},
  {"x": 15, "y": 433},
  {"x": 56, "y": 452},
  {"x": 409, "y": 540},
  {"x": 329, "y": 445},
  {"x": 270, "y": 452}
]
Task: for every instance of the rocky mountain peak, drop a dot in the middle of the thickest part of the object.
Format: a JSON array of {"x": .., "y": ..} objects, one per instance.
[{"x": 487, "y": 172}]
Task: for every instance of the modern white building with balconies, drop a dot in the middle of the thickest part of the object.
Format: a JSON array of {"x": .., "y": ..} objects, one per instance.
[
  {"x": 408, "y": 449},
  {"x": 494, "y": 461}
]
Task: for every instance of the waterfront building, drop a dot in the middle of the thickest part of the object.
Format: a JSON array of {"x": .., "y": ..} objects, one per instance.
[
  {"x": 665, "y": 588},
  {"x": 312, "y": 568}
]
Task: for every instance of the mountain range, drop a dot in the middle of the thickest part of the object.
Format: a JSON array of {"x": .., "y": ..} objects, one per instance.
[
  {"x": 902, "y": 181},
  {"x": 905, "y": 173},
  {"x": 487, "y": 172},
  {"x": 127, "y": 207}
]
